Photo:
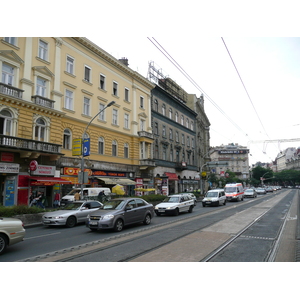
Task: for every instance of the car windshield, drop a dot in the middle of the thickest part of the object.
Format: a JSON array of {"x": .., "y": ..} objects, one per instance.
[
  {"x": 172, "y": 199},
  {"x": 212, "y": 194},
  {"x": 249, "y": 191},
  {"x": 72, "y": 206},
  {"x": 114, "y": 204},
  {"x": 230, "y": 189},
  {"x": 73, "y": 192}
]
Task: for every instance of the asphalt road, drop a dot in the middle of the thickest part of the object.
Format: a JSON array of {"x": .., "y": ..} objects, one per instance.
[{"x": 148, "y": 243}]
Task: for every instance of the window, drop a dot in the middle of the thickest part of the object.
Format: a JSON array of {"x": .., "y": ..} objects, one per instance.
[
  {"x": 155, "y": 128},
  {"x": 102, "y": 82},
  {"x": 87, "y": 74},
  {"x": 5, "y": 122},
  {"x": 69, "y": 98},
  {"x": 163, "y": 110},
  {"x": 182, "y": 139},
  {"x": 101, "y": 146},
  {"x": 67, "y": 139},
  {"x": 70, "y": 65},
  {"x": 43, "y": 50},
  {"x": 142, "y": 125},
  {"x": 155, "y": 105},
  {"x": 102, "y": 114},
  {"x": 171, "y": 154},
  {"x": 164, "y": 131},
  {"x": 176, "y": 116},
  {"x": 181, "y": 120},
  {"x": 188, "y": 141},
  {"x": 164, "y": 153},
  {"x": 41, "y": 87},
  {"x": 170, "y": 113},
  {"x": 40, "y": 130},
  {"x": 126, "y": 121},
  {"x": 126, "y": 150},
  {"x": 141, "y": 102},
  {"x": 115, "y": 117},
  {"x": 114, "y": 148},
  {"x": 192, "y": 125},
  {"x": 127, "y": 94},
  {"x": 10, "y": 40},
  {"x": 86, "y": 106},
  {"x": 7, "y": 74},
  {"x": 193, "y": 143},
  {"x": 187, "y": 123},
  {"x": 171, "y": 134},
  {"x": 115, "y": 88},
  {"x": 177, "y": 137}
]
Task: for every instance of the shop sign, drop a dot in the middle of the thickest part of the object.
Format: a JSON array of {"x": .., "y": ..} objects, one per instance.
[
  {"x": 75, "y": 171},
  {"x": 44, "y": 170},
  {"x": 76, "y": 147},
  {"x": 9, "y": 168},
  {"x": 7, "y": 156},
  {"x": 33, "y": 165}
]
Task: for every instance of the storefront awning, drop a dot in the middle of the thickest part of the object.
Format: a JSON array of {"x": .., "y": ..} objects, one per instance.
[
  {"x": 35, "y": 180},
  {"x": 121, "y": 181},
  {"x": 172, "y": 176}
]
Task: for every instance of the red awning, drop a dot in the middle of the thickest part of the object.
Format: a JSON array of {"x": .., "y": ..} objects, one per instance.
[
  {"x": 172, "y": 176},
  {"x": 48, "y": 180}
]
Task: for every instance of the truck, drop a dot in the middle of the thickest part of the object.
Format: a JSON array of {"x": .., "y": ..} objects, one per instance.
[{"x": 234, "y": 192}]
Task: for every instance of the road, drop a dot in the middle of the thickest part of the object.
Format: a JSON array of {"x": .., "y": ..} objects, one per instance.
[{"x": 239, "y": 231}]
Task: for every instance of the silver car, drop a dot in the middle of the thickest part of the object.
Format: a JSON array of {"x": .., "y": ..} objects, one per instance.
[
  {"x": 250, "y": 193},
  {"x": 71, "y": 214},
  {"x": 11, "y": 232},
  {"x": 120, "y": 212}
]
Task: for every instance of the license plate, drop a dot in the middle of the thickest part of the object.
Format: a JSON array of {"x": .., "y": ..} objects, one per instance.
[
  {"x": 161, "y": 210},
  {"x": 47, "y": 222},
  {"x": 93, "y": 223}
]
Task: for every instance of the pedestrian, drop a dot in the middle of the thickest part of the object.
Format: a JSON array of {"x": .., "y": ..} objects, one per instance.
[
  {"x": 100, "y": 196},
  {"x": 76, "y": 196},
  {"x": 39, "y": 200},
  {"x": 56, "y": 202}
]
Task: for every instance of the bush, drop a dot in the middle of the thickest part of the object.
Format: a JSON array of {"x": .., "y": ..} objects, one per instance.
[{"x": 18, "y": 210}]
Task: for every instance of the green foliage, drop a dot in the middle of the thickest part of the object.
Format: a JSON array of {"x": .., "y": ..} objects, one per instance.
[{"x": 18, "y": 210}]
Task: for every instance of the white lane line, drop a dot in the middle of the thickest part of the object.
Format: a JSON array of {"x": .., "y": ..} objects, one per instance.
[{"x": 39, "y": 236}]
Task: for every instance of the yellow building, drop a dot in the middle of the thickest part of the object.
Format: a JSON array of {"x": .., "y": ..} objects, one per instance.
[{"x": 52, "y": 90}]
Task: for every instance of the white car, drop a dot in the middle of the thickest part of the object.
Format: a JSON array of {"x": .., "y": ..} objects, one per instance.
[
  {"x": 214, "y": 197},
  {"x": 71, "y": 214},
  {"x": 175, "y": 204},
  {"x": 11, "y": 232}
]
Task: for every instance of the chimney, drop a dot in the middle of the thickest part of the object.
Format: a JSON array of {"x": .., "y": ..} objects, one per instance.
[{"x": 124, "y": 61}]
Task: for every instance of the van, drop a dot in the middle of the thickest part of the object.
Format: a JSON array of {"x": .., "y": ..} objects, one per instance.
[
  {"x": 214, "y": 197},
  {"x": 89, "y": 192},
  {"x": 234, "y": 192}
]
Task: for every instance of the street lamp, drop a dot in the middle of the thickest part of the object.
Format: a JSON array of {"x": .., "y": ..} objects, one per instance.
[
  {"x": 82, "y": 146},
  {"x": 262, "y": 179}
]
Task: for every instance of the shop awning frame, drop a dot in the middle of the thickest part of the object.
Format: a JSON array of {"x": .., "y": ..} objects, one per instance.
[
  {"x": 121, "y": 181},
  {"x": 54, "y": 180},
  {"x": 172, "y": 176}
]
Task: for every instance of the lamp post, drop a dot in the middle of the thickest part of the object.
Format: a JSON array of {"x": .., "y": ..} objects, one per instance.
[
  {"x": 262, "y": 179},
  {"x": 82, "y": 147}
]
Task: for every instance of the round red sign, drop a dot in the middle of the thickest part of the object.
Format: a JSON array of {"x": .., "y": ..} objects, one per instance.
[{"x": 33, "y": 165}]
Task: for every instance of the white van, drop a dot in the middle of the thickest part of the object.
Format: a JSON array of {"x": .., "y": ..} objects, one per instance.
[
  {"x": 214, "y": 197},
  {"x": 86, "y": 192},
  {"x": 234, "y": 191}
]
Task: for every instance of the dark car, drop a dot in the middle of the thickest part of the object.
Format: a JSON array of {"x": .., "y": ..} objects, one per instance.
[
  {"x": 269, "y": 189},
  {"x": 120, "y": 212}
]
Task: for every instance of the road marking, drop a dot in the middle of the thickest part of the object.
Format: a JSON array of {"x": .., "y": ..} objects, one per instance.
[{"x": 38, "y": 236}]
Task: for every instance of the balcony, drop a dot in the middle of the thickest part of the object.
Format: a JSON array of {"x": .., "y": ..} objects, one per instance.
[
  {"x": 180, "y": 166},
  {"x": 147, "y": 163},
  {"x": 9, "y": 90},
  {"x": 39, "y": 100},
  {"x": 15, "y": 143},
  {"x": 145, "y": 134}
]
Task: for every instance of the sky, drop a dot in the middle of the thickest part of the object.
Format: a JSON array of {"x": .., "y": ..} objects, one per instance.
[{"x": 250, "y": 85}]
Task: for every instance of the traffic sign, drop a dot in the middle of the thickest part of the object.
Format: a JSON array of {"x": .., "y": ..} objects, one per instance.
[{"x": 86, "y": 147}]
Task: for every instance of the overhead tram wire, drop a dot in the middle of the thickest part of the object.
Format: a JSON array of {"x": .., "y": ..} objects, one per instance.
[{"x": 181, "y": 70}]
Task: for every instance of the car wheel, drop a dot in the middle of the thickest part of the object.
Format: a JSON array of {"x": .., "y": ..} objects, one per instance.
[
  {"x": 176, "y": 213},
  {"x": 224, "y": 202},
  {"x": 203, "y": 204},
  {"x": 217, "y": 203},
  {"x": 147, "y": 220},
  {"x": 119, "y": 225},
  {"x": 71, "y": 222},
  {"x": 3, "y": 243},
  {"x": 191, "y": 209}
]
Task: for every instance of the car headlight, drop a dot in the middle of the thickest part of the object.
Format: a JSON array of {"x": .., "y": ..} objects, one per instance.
[
  {"x": 170, "y": 207},
  {"x": 58, "y": 217},
  {"x": 108, "y": 217},
  {"x": 155, "y": 207}
]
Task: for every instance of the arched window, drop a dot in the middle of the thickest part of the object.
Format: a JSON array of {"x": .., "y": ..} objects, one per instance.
[
  {"x": 101, "y": 145},
  {"x": 126, "y": 150},
  {"x": 182, "y": 120},
  {"x": 176, "y": 116},
  {"x": 170, "y": 113},
  {"x": 5, "y": 122},
  {"x": 155, "y": 105},
  {"x": 67, "y": 139},
  {"x": 40, "y": 130},
  {"x": 114, "y": 148},
  {"x": 163, "y": 110}
]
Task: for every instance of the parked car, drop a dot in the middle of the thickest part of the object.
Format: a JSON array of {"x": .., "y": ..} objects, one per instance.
[
  {"x": 117, "y": 213},
  {"x": 250, "y": 193},
  {"x": 214, "y": 197},
  {"x": 261, "y": 191},
  {"x": 11, "y": 232},
  {"x": 175, "y": 204},
  {"x": 71, "y": 214},
  {"x": 269, "y": 189}
]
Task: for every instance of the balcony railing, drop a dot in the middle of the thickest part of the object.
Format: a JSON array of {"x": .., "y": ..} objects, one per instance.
[
  {"x": 43, "y": 101},
  {"x": 147, "y": 162},
  {"x": 29, "y": 145},
  {"x": 145, "y": 134},
  {"x": 10, "y": 90}
]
